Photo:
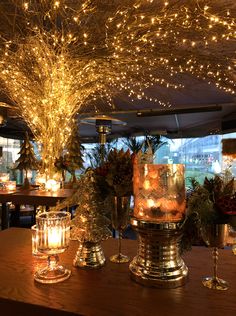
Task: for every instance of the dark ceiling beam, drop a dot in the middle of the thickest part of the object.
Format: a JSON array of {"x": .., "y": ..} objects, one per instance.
[
  {"x": 176, "y": 111},
  {"x": 193, "y": 109}
]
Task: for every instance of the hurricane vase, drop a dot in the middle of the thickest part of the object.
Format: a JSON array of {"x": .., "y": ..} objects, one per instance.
[
  {"x": 159, "y": 192},
  {"x": 53, "y": 239},
  {"x": 159, "y": 209}
]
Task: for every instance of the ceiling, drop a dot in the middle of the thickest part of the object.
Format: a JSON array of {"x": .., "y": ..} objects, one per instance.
[{"x": 199, "y": 109}]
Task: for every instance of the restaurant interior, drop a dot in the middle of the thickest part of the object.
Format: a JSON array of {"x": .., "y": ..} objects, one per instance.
[{"x": 117, "y": 157}]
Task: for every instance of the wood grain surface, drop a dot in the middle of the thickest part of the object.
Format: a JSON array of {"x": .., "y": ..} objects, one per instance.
[
  {"x": 109, "y": 290},
  {"x": 39, "y": 197}
]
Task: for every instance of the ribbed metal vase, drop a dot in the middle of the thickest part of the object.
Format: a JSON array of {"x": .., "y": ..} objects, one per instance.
[
  {"x": 89, "y": 255},
  {"x": 158, "y": 262}
]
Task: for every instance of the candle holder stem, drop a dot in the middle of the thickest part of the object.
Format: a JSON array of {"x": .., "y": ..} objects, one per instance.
[
  {"x": 53, "y": 262},
  {"x": 53, "y": 273}
]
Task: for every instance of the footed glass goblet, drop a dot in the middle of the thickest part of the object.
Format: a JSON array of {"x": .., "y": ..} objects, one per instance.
[
  {"x": 215, "y": 236},
  {"x": 120, "y": 219},
  {"x": 53, "y": 239}
]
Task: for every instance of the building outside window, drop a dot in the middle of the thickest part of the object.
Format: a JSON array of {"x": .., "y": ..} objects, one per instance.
[{"x": 201, "y": 156}]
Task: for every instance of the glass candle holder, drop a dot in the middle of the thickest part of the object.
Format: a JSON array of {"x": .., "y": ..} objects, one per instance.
[
  {"x": 53, "y": 239},
  {"x": 159, "y": 192},
  {"x": 4, "y": 177},
  {"x": 52, "y": 185},
  {"x": 35, "y": 251},
  {"x": 10, "y": 185}
]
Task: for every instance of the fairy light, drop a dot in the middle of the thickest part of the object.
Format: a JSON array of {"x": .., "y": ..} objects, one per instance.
[{"x": 66, "y": 55}]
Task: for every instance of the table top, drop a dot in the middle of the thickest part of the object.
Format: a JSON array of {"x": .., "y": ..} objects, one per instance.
[
  {"x": 5, "y": 195},
  {"x": 109, "y": 290},
  {"x": 40, "y": 197},
  {"x": 61, "y": 193}
]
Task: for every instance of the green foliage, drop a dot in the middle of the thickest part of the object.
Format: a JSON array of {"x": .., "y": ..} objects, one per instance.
[
  {"x": 149, "y": 142},
  {"x": 153, "y": 142},
  {"x": 191, "y": 232},
  {"x": 133, "y": 144},
  {"x": 204, "y": 199},
  {"x": 119, "y": 173},
  {"x": 203, "y": 208},
  {"x": 98, "y": 154}
]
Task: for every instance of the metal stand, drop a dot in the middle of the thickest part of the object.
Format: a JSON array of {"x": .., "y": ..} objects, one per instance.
[{"x": 158, "y": 262}]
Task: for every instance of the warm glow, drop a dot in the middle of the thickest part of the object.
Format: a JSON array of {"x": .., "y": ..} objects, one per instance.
[
  {"x": 4, "y": 177},
  {"x": 54, "y": 236},
  {"x": 150, "y": 203},
  {"x": 10, "y": 185},
  {"x": 52, "y": 185},
  {"x": 146, "y": 184},
  {"x": 67, "y": 56},
  {"x": 163, "y": 199}
]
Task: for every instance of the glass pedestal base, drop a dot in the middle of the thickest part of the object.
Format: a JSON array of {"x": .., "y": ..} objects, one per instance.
[
  {"x": 55, "y": 275},
  {"x": 215, "y": 283},
  {"x": 119, "y": 258}
]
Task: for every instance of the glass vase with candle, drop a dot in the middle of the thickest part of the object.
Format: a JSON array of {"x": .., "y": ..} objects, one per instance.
[
  {"x": 53, "y": 239},
  {"x": 35, "y": 252},
  {"x": 159, "y": 210}
]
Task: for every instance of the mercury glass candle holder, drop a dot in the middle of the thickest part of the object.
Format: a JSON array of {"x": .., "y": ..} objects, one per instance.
[
  {"x": 159, "y": 210},
  {"x": 53, "y": 239},
  {"x": 159, "y": 192}
]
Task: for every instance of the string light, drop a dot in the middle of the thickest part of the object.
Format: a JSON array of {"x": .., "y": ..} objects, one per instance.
[{"x": 60, "y": 57}]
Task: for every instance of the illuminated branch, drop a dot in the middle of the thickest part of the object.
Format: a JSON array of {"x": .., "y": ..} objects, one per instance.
[{"x": 57, "y": 57}]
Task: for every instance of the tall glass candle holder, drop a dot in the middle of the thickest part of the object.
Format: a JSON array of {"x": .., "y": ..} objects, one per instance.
[
  {"x": 159, "y": 210},
  {"x": 35, "y": 252},
  {"x": 159, "y": 192},
  {"x": 53, "y": 239}
]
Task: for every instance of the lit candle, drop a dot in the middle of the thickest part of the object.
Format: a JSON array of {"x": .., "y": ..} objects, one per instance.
[
  {"x": 52, "y": 185},
  {"x": 10, "y": 185},
  {"x": 150, "y": 203},
  {"x": 55, "y": 235},
  {"x": 4, "y": 177},
  {"x": 55, "y": 187}
]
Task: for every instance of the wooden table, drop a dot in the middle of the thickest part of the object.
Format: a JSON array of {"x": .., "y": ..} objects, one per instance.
[
  {"x": 39, "y": 197},
  {"x": 31, "y": 197},
  {"x": 108, "y": 291}
]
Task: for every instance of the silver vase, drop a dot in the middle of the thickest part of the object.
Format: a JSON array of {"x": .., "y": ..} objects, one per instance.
[{"x": 89, "y": 255}]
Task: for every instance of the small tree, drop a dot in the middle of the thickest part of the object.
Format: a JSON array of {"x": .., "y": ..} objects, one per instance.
[
  {"x": 27, "y": 160},
  {"x": 73, "y": 159}
]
